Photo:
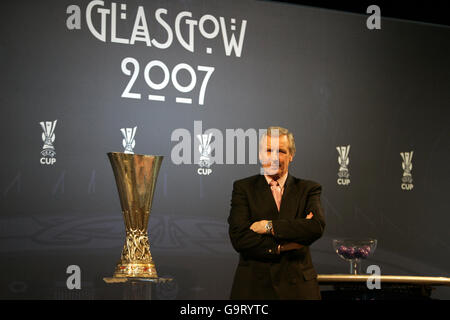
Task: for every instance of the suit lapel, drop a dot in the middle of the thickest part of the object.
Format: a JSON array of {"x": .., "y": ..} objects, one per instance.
[
  {"x": 289, "y": 201},
  {"x": 267, "y": 200}
]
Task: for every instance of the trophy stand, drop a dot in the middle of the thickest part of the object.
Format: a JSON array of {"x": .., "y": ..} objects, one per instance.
[
  {"x": 137, "y": 288},
  {"x": 136, "y": 177}
]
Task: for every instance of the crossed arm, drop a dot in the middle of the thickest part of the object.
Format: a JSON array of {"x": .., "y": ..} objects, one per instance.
[
  {"x": 260, "y": 228},
  {"x": 251, "y": 238}
]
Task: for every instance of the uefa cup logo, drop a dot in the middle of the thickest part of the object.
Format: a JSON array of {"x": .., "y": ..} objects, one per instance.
[
  {"x": 205, "y": 152},
  {"x": 343, "y": 160},
  {"x": 48, "y": 137},
  {"x": 128, "y": 141},
  {"x": 407, "y": 167}
]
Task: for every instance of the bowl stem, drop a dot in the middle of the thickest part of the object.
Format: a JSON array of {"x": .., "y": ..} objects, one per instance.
[{"x": 355, "y": 266}]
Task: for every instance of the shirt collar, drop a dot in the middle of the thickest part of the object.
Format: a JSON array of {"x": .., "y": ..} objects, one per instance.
[{"x": 281, "y": 181}]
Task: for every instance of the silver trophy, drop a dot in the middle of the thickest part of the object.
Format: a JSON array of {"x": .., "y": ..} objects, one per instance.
[
  {"x": 128, "y": 141},
  {"x": 205, "y": 150},
  {"x": 343, "y": 161},
  {"x": 48, "y": 137},
  {"x": 407, "y": 166}
]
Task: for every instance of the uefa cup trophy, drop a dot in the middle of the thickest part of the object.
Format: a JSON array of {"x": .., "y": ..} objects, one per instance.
[{"x": 136, "y": 177}]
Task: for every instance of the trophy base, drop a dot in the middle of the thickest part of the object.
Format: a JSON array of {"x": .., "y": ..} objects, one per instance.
[
  {"x": 135, "y": 270},
  {"x": 110, "y": 280}
]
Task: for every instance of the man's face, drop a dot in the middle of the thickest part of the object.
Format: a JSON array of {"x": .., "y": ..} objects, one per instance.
[{"x": 274, "y": 155}]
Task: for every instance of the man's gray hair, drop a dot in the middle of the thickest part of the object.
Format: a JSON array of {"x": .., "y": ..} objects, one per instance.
[{"x": 280, "y": 131}]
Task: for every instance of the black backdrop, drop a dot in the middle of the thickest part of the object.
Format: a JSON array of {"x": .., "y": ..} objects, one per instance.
[{"x": 323, "y": 74}]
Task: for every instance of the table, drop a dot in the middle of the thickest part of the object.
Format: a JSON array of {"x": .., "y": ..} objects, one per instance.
[{"x": 393, "y": 287}]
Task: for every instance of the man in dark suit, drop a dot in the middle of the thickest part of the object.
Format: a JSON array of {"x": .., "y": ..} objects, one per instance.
[{"x": 274, "y": 218}]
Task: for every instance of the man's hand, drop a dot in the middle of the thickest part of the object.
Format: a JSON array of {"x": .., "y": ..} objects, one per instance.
[{"x": 259, "y": 227}]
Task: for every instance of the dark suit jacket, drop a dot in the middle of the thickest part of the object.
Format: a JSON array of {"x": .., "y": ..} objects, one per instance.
[{"x": 261, "y": 273}]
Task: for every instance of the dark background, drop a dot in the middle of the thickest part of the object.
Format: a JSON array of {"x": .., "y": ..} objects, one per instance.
[{"x": 319, "y": 72}]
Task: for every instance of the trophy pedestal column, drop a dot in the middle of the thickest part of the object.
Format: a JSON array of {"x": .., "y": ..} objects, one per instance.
[{"x": 136, "y": 288}]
